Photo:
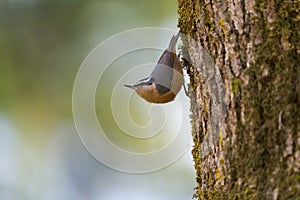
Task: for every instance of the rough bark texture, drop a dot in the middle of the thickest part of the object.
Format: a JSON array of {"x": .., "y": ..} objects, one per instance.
[{"x": 244, "y": 96}]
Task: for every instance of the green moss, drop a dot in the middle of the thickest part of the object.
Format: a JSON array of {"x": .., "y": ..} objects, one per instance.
[
  {"x": 222, "y": 161},
  {"x": 188, "y": 13},
  {"x": 236, "y": 86},
  {"x": 220, "y": 139},
  {"x": 221, "y": 22},
  {"x": 252, "y": 159}
]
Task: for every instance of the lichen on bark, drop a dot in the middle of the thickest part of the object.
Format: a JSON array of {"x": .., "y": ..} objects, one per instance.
[{"x": 255, "y": 47}]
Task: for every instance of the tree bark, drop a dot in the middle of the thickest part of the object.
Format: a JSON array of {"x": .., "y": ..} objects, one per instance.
[{"x": 243, "y": 60}]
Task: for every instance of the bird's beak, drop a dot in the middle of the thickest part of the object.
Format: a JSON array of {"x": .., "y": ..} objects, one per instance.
[{"x": 130, "y": 86}]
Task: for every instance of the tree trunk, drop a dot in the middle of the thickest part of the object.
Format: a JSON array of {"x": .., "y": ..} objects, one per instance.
[{"x": 243, "y": 60}]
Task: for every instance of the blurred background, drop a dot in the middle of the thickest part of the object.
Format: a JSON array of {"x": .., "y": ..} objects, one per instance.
[{"x": 42, "y": 45}]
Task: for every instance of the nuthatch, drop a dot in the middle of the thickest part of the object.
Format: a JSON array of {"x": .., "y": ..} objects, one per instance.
[{"x": 165, "y": 80}]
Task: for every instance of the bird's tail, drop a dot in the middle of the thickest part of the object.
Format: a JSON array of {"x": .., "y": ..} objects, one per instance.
[{"x": 172, "y": 45}]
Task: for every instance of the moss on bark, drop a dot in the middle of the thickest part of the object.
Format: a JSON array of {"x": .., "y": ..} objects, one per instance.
[{"x": 255, "y": 46}]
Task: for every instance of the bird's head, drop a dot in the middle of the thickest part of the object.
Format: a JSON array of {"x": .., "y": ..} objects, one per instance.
[
  {"x": 143, "y": 87},
  {"x": 149, "y": 90}
]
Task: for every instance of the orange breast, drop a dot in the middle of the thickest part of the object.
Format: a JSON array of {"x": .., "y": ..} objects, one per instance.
[{"x": 153, "y": 96}]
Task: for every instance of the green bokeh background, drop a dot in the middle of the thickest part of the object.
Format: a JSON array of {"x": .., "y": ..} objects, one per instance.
[{"x": 42, "y": 44}]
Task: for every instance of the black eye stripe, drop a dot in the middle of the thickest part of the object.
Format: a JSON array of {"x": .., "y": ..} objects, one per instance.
[{"x": 145, "y": 81}]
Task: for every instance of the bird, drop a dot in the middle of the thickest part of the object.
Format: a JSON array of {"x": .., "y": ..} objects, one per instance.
[{"x": 166, "y": 79}]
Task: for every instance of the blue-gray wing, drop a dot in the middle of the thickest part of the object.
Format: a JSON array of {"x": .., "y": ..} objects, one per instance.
[{"x": 162, "y": 73}]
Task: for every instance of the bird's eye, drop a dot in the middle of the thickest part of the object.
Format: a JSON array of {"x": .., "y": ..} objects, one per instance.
[{"x": 149, "y": 83}]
